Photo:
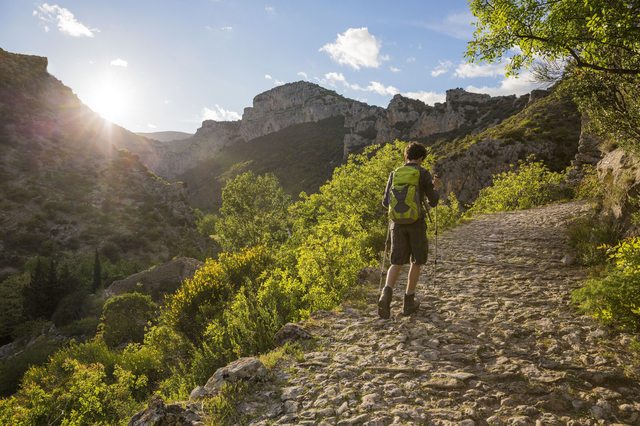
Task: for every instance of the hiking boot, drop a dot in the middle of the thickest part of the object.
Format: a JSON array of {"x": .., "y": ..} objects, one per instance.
[
  {"x": 410, "y": 304},
  {"x": 384, "y": 304}
]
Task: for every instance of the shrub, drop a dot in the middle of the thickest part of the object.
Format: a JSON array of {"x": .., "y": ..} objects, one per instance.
[
  {"x": 615, "y": 297},
  {"x": 587, "y": 235},
  {"x": 589, "y": 186},
  {"x": 124, "y": 318},
  {"x": 530, "y": 185},
  {"x": 204, "y": 297}
]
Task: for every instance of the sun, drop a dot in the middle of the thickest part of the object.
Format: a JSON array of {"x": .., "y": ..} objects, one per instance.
[{"x": 110, "y": 99}]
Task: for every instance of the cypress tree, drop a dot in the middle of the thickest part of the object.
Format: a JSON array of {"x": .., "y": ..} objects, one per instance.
[
  {"x": 35, "y": 292},
  {"x": 97, "y": 272}
]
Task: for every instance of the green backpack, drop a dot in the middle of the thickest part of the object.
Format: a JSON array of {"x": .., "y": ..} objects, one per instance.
[{"x": 404, "y": 197}]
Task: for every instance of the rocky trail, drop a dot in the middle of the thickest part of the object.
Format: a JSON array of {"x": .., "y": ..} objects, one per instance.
[{"x": 495, "y": 342}]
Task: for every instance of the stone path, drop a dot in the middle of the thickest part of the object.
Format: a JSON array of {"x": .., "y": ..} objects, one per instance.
[{"x": 495, "y": 342}]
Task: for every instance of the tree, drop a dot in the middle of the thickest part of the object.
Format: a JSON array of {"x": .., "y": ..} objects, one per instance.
[
  {"x": 124, "y": 318},
  {"x": 597, "y": 39},
  {"x": 600, "y": 35},
  {"x": 97, "y": 272},
  {"x": 254, "y": 211}
]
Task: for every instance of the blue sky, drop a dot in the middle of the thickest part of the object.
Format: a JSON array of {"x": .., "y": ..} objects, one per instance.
[{"x": 167, "y": 65}]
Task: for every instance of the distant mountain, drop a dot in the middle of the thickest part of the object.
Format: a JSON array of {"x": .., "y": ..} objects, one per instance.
[
  {"x": 165, "y": 136},
  {"x": 65, "y": 183},
  {"x": 203, "y": 161}
]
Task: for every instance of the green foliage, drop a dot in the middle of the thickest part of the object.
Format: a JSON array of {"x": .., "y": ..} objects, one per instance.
[
  {"x": 587, "y": 236},
  {"x": 615, "y": 297},
  {"x": 598, "y": 37},
  {"x": 222, "y": 409},
  {"x": 12, "y": 369},
  {"x": 530, "y": 185},
  {"x": 83, "y": 397},
  {"x": 589, "y": 187},
  {"x": 11, "y": 303},
  {"x": 125, "y": 317},
  {"x": 598, "y": 34},
  {"x": 245, "y": 328},
  {"x": 202, "y": 298},
  {"x": 253, "y": 212},
  {"x": 448, "y": 214}
]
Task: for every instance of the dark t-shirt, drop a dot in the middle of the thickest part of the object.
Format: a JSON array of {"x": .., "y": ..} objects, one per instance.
[{"x": 426, "y": 188}]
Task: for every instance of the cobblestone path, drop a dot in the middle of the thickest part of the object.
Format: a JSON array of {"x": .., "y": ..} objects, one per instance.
[{"x": 496, "y": 341}]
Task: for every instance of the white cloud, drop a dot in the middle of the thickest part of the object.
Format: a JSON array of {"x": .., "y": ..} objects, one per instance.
[
  {"x": 442, "y": 68},
  {"x": 66, "y": 22},
  {"x": 219, "y": 114},
  {"x": 456, "y": 25},
  {"x": 227, "y": 28},
  {"x": 394, "y": 69},
  {"x": 411, "y": 59},
  {"x": 278, "y": 82},
  {"x": 381, "y": 89},
  {"x": 357, "y": 48},
  {"x": 303, "y": 75},
  {"x": 166, "y": 102},
  {"x": 333, "y": 78},
  {"x": 428, "y": 98},
  {"x": 119, "y": 63},
  {"x": 470, "y": 70},
  {"x": 152, "y": 126},
  {"x": 509, "y": 86},
  {"x": 270, "y": 10},
  {"x": 268, "y": 77}
]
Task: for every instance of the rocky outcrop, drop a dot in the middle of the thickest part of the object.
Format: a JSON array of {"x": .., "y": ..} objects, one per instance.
[
  {"x": 157, "y": 281},
  {"x": 291, "y": 333},
  {"x": 619, "y": 172},
  {"x": 247, "y": 369},
  {"x": 160, "y": 414}
]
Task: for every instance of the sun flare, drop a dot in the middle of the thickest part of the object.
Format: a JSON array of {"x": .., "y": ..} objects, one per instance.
[{"x": 110, "y": 100}]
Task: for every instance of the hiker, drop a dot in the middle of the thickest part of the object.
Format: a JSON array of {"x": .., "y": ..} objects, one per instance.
[{"x": 404, "y": 196}]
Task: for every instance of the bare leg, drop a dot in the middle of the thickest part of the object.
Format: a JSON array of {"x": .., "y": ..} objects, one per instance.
[
  {"x": 392, "y": 275},
  {"x": 414, "y": 274}
]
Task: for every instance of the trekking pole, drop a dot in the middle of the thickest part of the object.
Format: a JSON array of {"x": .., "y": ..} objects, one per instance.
[
  {"x": 435, "y": 251},
  {"x": 384, "y": 256}
]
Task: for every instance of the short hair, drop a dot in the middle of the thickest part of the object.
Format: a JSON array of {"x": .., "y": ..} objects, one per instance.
[{"x": 415, "y": 150}]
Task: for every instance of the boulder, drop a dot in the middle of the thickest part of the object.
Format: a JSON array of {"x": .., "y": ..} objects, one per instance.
[
  {"x": 249, "y": 369},
  {"x": 157, "y": 281},
  {"x": 159, "y": 414},
  {"x": 290, "y": 333}
]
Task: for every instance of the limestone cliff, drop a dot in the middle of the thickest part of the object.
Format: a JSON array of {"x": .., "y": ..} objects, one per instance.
[{"x": 303, "y": 102}]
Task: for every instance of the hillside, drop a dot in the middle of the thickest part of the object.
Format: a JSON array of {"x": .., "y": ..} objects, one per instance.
[
  {"x": 167, "y": 136},
  {"x": 548, "y": 129},
  {"x": 302, "y": 156},
  {"x": 66, "y": 186}
]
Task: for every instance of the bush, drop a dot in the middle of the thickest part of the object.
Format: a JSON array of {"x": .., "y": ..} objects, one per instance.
[
  {"x": 615, "y": 297},
  {"x": 589, "y": 187},
  {"x": 530, "y": 185},
  {"x": 12, "y": 369},
  {"x": 587, "y": 236},
  {"x": 124, "y": 318},
  {"x": 204, "y": 297}
]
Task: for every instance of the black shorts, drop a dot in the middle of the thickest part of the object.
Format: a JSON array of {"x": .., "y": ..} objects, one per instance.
[{"x": 409, "y": 243}]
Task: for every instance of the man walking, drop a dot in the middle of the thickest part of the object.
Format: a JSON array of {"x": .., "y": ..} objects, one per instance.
[{"x": 406, "y": 190}]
